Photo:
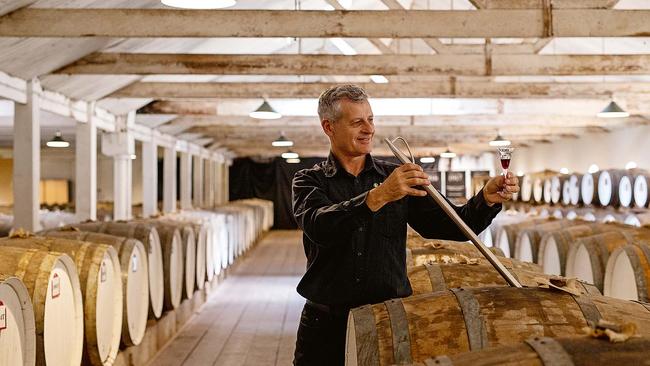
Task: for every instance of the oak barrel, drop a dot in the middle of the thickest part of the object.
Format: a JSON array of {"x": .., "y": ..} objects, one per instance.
[
  {"x": 171, "y": 243},
  {"x": 135, "y": 279},
  {"x": 148, "y": 235},
  {"x": 589, "y": 188},
  {"x": 641, "y": 193},
  {"x": 608, "y": 184},
  {"x": 431, "y": 277},
  {"x": 100, "y": 277},
  {"x": 627, "y": 274},
  {"x": 528, "y": 239},
  {"x": 449, "y": 322},
  {"x": 587, "y": 258},
  {"x": 53, "y": 284},
  {"x": 506, "y": 237},
  {"x": 188, "y": 248},
  {"x": 554, "y": 246},
  {"x": 17, "y": 323},
  {"x": 568, "y": 351}
]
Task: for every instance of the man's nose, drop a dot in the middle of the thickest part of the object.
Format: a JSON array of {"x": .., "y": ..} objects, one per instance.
[{"x": 368, "y": 127}]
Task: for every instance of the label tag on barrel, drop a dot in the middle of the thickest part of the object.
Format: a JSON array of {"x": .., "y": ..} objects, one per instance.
[
  {"x": 134, "y": 263},
  {"x": 3, "y": 316},
  {"x": 102, "y": 272},
  {"x": 56, "y": 286}
]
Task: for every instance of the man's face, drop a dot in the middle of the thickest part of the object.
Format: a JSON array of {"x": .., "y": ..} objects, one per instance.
[{"x": 352, "y": 134}]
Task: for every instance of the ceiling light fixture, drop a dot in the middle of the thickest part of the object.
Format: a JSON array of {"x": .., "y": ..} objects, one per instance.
[
  {"x": 427, "y": 160},
  {"x": 199, "y": 4},
  {"x": 631, "y": 165},
  {"x": 448, "y": 154},
  {"x": 282, "y": 141},
  {"x": 499, "y": 141},
  {"x": 265, "y": 111},
  {"x": 613, "y": 110},
  {"x": 379, "y": 79},
  {"x": 57, "y": 141},
  {"x": 290, "y": 155},
  {"x": 293, "y": 161},
  {"x": 593, "y": 168}
]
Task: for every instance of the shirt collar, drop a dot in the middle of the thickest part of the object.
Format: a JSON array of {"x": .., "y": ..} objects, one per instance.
[{"x": 332, "y": 165}]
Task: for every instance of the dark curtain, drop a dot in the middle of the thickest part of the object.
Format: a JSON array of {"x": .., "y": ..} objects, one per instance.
[{"x": 270, "y": 179}]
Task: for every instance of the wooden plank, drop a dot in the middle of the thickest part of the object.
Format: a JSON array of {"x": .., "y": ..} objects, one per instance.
[
  {"x": 281, "y": 23},
  {"x": 290, "y": 64},
  {"x": 539, "y": 4},
  {"x": 416, "y": 89}
]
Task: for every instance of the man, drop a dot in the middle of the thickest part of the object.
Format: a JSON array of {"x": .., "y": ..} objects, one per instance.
[{"x": 353, "y": 210}]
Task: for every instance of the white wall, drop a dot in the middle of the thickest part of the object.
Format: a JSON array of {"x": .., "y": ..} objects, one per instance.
[{"x": 607, "y": 150}]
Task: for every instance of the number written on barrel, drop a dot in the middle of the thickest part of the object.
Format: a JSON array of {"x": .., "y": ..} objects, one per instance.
[
  {"x": 134, "y": 263},
  {"x": 56, "y": 286}
]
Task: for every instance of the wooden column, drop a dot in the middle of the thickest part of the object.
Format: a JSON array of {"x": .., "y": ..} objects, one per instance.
[
  {"x": 27, "y": 159},
  {"x": 149, "y": 178},
  {"x": 169, "y": 180},
  {"x": 86, "y": 168},
  {"x": 120, "y": 146},
  {"x": 186, "y": 181},
  {"x": 197, "y": 172}
]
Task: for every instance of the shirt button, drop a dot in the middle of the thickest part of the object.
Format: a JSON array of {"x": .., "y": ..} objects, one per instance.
[
  {"x": 360, "y": 229},
  {"x": 357, "y": 279},
  {"x": 359, "y": 254}
]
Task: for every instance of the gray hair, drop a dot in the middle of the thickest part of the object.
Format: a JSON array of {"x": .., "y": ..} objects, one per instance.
[{"x": 329, "y": 102}]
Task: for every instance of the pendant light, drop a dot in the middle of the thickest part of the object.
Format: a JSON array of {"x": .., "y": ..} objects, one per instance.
[
  {"x": 448, "y": 154},
  {"x": 613, "y": 110},
  {"x": 499, "y": 141},
  {"x": 265, "y": 111},
  {"x": 199, "y": 4},
  {"x": 57, "y": 141},
  {"x": 290, "y": 155},
  {"x": 282, "y": 141}
]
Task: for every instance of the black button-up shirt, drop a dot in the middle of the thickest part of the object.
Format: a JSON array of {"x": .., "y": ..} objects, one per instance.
[{"x": 355, "y": 256}]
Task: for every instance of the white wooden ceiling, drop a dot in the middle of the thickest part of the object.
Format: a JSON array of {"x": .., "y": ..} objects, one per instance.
[{"x": 463, "y": 123}]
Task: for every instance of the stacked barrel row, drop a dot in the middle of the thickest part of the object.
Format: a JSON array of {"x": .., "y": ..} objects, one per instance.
[
  {"x": 613, "y": 257},
  {"x": 462, "y": 312},
  {"x": 78, "y": 294},
  {"x": 605, "y": 188}
]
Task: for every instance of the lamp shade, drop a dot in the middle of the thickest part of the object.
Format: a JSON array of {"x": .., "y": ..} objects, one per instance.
[
  {"x": 499, "y": 141},
  {"x": 613, "y": 110},
  {"x": 448, "y": 154},
  {"x": 199, "y": 4},
  {"x": 282, "y": 141},
  {"x": 57, "y": 141},
  {"x": 290, "y": 155},
  {"x": 265, "y": 111}
]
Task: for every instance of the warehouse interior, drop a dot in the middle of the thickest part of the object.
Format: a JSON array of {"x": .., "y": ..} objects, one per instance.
[{"x": 148, "y": 148}]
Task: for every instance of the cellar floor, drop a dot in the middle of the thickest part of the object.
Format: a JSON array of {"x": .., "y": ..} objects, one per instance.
[{"x": 252, "y": 317}]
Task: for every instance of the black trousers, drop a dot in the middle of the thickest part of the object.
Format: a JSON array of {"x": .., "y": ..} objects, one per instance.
[{"x": 321, "y": 337}]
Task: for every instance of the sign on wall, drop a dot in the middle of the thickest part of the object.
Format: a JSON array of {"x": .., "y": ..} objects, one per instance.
[{"x": 455, "y": 184}]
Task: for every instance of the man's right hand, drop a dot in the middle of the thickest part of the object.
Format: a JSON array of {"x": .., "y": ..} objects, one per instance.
[{"x": 400, "y": 183}]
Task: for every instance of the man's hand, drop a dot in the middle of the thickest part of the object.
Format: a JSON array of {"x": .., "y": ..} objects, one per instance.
[
  {"x": 399, "y": 183},
  {"x": 500, "y": 189}
]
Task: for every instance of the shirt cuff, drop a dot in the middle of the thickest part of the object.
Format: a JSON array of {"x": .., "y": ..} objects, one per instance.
[{"x": 357, "y": 205}]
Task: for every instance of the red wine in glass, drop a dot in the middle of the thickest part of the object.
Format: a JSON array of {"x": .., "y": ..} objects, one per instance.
[{"x": 505, "y": 163}]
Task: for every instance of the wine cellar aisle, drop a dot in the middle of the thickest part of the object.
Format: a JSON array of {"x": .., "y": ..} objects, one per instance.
[{"x": 251, "y": 319}]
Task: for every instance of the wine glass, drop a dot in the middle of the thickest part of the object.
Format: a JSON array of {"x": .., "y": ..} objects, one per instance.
[{"x": 505, "y": 153}]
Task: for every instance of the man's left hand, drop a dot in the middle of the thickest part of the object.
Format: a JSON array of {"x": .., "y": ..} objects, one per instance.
[{"x": 500, "y": 189}]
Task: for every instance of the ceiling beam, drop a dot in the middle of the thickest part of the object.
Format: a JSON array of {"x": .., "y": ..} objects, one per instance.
[
  {"x": 461, "y": 65},
  {"x": 7, "y": 6},
  {"x": 420, "y": 123},
  {"x": 539, "y": 4},
  {"x": 416, "y": 89},
  {"x": 160, "y": 23}
]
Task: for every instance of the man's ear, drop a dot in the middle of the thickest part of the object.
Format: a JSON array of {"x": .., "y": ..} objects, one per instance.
[{"x": 327, "y": 127}]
